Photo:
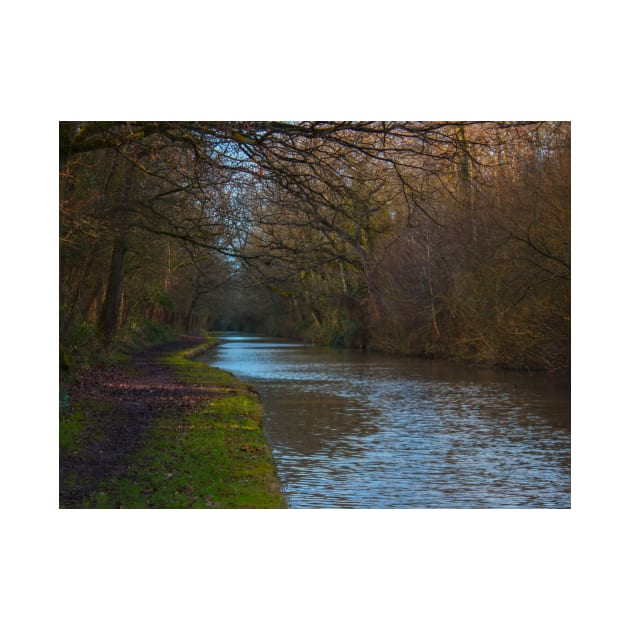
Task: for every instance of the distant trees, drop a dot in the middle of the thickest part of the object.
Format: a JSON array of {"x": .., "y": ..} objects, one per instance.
[
  {"x": 432, "y": 238},
  {"x": 448, "y": 240}
]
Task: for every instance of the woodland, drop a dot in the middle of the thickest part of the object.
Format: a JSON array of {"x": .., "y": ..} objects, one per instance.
[{"x": 446, "y": 240}]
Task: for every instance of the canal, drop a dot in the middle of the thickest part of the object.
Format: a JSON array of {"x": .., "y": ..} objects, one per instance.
[{"x": 351, "y": 429}]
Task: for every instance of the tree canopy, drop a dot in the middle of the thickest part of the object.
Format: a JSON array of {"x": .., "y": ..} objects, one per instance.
[{"x": 440, "y": 239}]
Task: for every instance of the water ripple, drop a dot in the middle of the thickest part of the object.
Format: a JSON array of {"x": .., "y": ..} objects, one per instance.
[{"x": 357, "y": 430}]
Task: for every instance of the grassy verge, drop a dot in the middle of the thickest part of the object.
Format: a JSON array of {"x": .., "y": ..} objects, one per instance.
[{"x": 214, "y": 457}]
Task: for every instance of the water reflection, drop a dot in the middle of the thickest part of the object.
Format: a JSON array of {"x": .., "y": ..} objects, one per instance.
[
  {"x": 317, "y": 421},
  {"x": 352, "y": 429}
]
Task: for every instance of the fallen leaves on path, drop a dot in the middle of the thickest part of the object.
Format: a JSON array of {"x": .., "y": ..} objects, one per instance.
[{"x": 122, "y": 401}]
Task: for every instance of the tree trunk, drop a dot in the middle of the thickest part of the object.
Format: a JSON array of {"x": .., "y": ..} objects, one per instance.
[
  {"x": 465, "y": 183},
  {"x": 190, "y": 316},
  {"x": 436, "y": 328},
  {"x": 108, "y": 321}
]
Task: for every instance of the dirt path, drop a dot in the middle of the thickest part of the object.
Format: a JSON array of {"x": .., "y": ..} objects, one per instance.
[{"x": 122, "y": 402}]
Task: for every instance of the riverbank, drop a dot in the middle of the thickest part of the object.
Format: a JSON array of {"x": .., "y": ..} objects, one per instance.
[{"x": 161, "y": 430}]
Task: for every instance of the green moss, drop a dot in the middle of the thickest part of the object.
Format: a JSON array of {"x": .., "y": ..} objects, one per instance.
[{"x": 71, "y": 426}]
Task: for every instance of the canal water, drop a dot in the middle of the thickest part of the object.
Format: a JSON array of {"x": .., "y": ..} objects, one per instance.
[{"x": 352, "y": 429}]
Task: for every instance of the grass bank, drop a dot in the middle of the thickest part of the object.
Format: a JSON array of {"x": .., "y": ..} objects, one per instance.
[{"x": 203, "y": 447}]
